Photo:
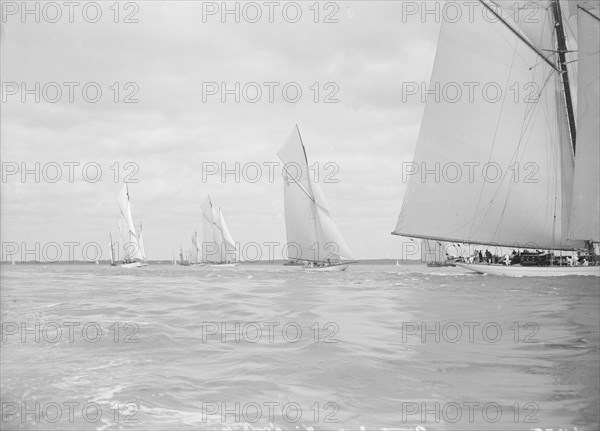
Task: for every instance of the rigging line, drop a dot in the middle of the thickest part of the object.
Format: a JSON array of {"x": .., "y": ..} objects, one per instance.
[
  {"x": 528, "y": 118},
  {"x": 207, "y": 219},
  {"x": 524, "y": 126},
  {"x": 518, "y": 34},
  {"x": 306, "y": 192},
  {"x": 549, "y": 123},
  {"x": 588, "y": 12},
  {"x": 493, "y": 144},
  {"x": 314, "y": 212},
  {"x": 298, "y": 184}
]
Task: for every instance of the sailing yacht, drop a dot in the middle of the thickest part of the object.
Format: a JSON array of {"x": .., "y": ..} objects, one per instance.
[
  {"x": 111, "y": 250},
  {"x": 219, "y": 246},
  {"x": 133, "y": 244},
  {"x": 183, "y": 260},
  {"x": 195, "y": 252},
  {"x": 540, "y": 147},
  {"x": 312, "y": 235}
]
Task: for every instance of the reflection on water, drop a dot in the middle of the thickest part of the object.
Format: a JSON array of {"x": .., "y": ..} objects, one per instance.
[{"x": 267, "y": 346}]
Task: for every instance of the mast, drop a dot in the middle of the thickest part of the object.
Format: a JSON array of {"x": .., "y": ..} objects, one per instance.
[
  {"x": 562, "y": 66},
  {"x": 112, "y": 249},
  {"x": 562, "y": 50}
]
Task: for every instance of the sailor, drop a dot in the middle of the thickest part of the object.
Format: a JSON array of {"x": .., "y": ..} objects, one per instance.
[
  {"x": 506, "y": 260},
  {"x": 488, "y": 257},
  {"x": 480, "y": 257},
  {"x": 472, "y": 258}
]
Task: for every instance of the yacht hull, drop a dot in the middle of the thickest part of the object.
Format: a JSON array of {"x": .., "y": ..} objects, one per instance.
[
  {"x": 132, "y": 265},
  {"x": 531, "y": 271},
  {"x": 330, "y": 268}
]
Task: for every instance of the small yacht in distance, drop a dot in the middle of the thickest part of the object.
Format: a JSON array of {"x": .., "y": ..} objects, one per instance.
[{"x": 219, "y": 246}]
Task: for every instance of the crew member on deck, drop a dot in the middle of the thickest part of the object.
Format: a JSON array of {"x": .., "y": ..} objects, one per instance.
[{"x": 488, "y": 257}]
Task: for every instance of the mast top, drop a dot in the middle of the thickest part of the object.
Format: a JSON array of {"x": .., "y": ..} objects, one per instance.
[{"x": 561, "y": 41}]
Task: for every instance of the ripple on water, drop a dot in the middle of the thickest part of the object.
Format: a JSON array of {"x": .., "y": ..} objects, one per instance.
[{"x": 355, "y": 349}]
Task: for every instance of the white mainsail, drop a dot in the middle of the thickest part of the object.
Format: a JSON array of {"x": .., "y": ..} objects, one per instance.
[
  {"x": 196, "y": 248},
  {"x": 228, "y": 246},
  {"x": 586, "y": 188},
  {"x": 312, "y": 234},
  {"x": 129, "y": 236},
  {"x": 123, "y": 231},
  {"x": 141, "y": 243},
  {"x": 500, "y": 163},
  {"x": 111, "y": 249}
]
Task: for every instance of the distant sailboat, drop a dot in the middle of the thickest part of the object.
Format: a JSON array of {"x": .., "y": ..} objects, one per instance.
[
  {"x": 550, "y": 141},
  {"x": 219, "y": 248},
  {"x": 311, "y": 232},
  {"x": 111, "y": 250},
  {"x": 174, "y": 261},
  {"x": 183, "y": 260},
  {"x": 195, "y": 252},
  {"x": 133, "y": 245}
]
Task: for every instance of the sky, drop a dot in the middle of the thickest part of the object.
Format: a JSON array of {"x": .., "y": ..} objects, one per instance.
[{"x": 176, "y": 129}]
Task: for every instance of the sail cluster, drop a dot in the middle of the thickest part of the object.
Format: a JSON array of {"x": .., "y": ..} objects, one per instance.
[
  {"x": 498, "y": 167},
  {"x": 218, "y": 245}
]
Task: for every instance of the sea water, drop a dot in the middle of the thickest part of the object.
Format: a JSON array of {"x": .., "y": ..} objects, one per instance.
[{"x": 273, "y": 347}]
